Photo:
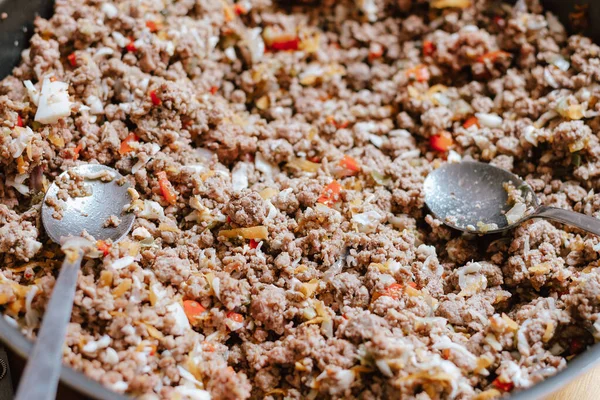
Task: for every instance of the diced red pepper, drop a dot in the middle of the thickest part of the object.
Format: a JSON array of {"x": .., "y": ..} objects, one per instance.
[
  {"x": 420, "y": 73},
  {"x": 498, "y": 20},
  {"x": 375, "y": 51},
  {"x": 131, "y": 46},
  {"x": 350, "y": 165},
  {"x": 394, "y": 290},
  {"x": 213, "y": 89},
  {"x": 441, "y": 142},
  {"x": 72, "y": 59},
  {"x": 153, "y": 26},
  {"x": 155, "y": 99},
  {"x": 472, "y": 120},
  {"x": 208, "y": 347},
  {"x": 192, "y": 309},
  {"x": 428, "y": 48},
  {"x": 504, "y": 386},
  {"x": 493, "y": 56},
  {"x": 314, "y": 159},
  {"x": 285, "y": 44},
  {"x": 166, "y": 188},
  {"x": 330, "y": 194},
  {"x": 126, "y": 143},
  {"x": 235, "y": 316},
  {"x": 576, "y": 346},
  {"x": 103, "y": 247},
  {"x": 19, "y": 121},
  {"x": 76, "y": 151},
  {"x": 339, "y": 125},
  {"x": 253, "y": 244},
  {"x": 239, "y": 9}
]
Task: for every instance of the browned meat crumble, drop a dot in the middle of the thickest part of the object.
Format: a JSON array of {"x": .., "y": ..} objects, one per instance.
[{"x": 281, "y": 247}]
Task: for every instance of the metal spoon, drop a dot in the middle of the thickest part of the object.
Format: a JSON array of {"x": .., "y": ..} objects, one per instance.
[
  {"x": 470, "y": 196},
  {"x": 79, "y": 214}
]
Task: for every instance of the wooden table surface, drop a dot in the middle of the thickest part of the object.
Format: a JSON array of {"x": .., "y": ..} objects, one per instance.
[{"x": 586, "y": 387}]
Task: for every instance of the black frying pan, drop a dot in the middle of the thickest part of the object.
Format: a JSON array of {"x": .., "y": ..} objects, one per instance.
[{"x": 15, "y": 32}]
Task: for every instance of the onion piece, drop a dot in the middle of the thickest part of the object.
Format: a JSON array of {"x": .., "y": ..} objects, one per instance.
[
  {"x": 304, "y": 165},
  {"x": 516, "y": 213},
  {"x": 123, "y": 262},
  {"x": 152, "y": 210},
  {"x": 109, "y": 10},
  {"x": 32, "y": 92},
  {"x": 489, "y": 120},
  {"x": 53, "y": 103},
  {"x": 182, "y": 323},
  {"x": 239, "y": 176}
]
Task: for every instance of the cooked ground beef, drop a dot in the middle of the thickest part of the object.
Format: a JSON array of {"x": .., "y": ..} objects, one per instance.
[{"x": 282, "y": 246}]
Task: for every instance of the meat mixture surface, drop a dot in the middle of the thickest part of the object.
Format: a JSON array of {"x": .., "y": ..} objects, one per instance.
[{"x": 282, "y": 248}]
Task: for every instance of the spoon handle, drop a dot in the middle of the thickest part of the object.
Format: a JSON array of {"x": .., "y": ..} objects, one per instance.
[
  {"x": 568, "y": 217},
  {"x": 40, "y": 378}
]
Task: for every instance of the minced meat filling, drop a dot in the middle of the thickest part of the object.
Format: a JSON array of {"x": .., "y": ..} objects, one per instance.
[{"x": 282, "y": 247}]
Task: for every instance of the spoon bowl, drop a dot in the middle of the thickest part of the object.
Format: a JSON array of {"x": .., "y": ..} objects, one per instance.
[
  {"x": 107, "y": 197},
  {"x": 471, "y": 196}
]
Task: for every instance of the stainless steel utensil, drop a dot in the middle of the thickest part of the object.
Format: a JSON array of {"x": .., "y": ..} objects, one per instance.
[
  {"x": 470, "y": 196},
  {"x": 70, "y": 217}
]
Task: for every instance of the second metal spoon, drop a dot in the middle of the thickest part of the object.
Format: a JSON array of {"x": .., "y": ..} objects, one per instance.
[
  {"x": 471, "y": 196},
  {"x": 63, "y": 217}
]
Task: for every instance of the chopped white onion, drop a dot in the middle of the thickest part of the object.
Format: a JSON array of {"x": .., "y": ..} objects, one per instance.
[
  {"x": 470, "y": 279},
  {"x": 489, "y": 120},
  {"x": 141, "y": 233},
  {"x": 216, "y": 286},
  {"x": 109, "y": 10},
  {"x": 516, "y": 213},
  {"x": 182, "y": 323},
  {"x": 230, "y": 53},
  {"x": 53, "y": 103},
  {"x": 120, "y": 40},
  {"x": 384, "y": 367},
  {"x": 560, "y": 62},
  {"x": 152, "y": 210},
  {"x": 262, "y": 165},
  {"x": 367, "y": 222},
  {"x": 444, "y": 342},
  {"x": 111, "y": 356},
  {"x": 95, "y": 104},
  {"x": 409, "y": 154},
  {"x": 255, "y": 43},
  {"x": 187, "y": 375},
  {"x": 453, "y": 157},
  {"x": 32, "y": 92},
  {"x": 20, "y": 143},
  {"x": 369, "y": 8},
  {"x": 239, "y": 176},
  {"x": 549, "y": 78},
  {"x": 103, "y": 51},
  {"x": 376, "y": 140},
  {"x": 95, "y": 345},
  {"x": 123, "y": 262},
  {"x": 32, "y": 316}
]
